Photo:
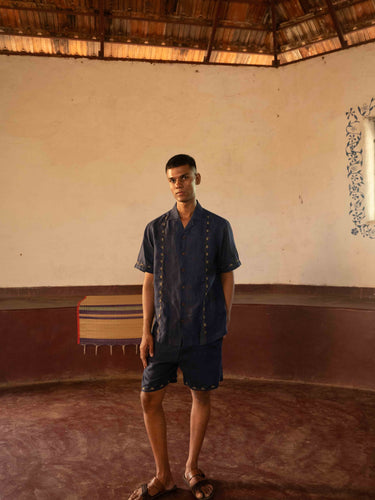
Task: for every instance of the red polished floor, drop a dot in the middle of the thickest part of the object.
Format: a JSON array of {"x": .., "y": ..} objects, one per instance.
[{"x": 266, "y": 441}]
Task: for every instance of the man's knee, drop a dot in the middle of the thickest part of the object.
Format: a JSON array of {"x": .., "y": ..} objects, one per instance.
[
  {"x": 201, "y": 397},
  {"x": 152, "y": 401}
]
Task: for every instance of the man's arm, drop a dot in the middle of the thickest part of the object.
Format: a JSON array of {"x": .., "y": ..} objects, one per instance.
[
  {"x": 147, "y": 343},
  {"x": 227, "y": 281}
]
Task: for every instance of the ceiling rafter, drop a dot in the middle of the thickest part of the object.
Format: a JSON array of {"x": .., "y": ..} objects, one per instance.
[
  {"x": 240, "y": 31},
  {"x": 222, "y": 24},
  {"x": 109, "y": 58},
  {"x": 289, "y": 47},
  {"x": 125, "y": 40},
  {"x": 149, "y": 19},
  {"x": 63, "y": 35},
  {"x": 101, "y": 28},
  {"x": 186, "y": 20},
  {"x": 321, "y": 12},
  {"x": 213, "y": 31},
  {"x": 275, "y": 61},
  {"x": 332, "y": 13}
]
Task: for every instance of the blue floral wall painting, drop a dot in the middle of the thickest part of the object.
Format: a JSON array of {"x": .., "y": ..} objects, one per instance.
[{"x": 354, "y": 153}]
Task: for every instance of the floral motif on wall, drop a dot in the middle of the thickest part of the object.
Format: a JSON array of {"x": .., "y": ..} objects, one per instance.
[{"x": 354, "y": 153}]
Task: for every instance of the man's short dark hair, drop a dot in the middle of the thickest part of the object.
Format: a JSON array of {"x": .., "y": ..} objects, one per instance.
[{"x": 181, "y": 160}]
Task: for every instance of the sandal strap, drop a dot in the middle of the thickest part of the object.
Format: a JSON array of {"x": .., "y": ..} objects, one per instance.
[
  {"x": 154, "y": 482},
  {"x": 158, "y": 484},
  {"x": 144, "y": 491},
  {"x": 197, "y": 487},
  {"x": 194, "y": 473}
]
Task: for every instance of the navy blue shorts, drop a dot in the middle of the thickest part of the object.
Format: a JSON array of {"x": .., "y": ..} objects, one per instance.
[{"x": 201, "y": 366}]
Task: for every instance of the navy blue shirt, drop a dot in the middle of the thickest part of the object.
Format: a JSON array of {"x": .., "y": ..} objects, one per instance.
[{"x": 187, "y": 263}]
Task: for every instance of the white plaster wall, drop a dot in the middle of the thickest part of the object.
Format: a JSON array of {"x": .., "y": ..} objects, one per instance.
[
  {"x": 317, "y": 244},
  {"x": 83, "y": 146}
]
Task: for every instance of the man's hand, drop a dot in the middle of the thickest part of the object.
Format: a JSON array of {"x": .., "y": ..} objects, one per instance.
[
  {"x": 228, "y": 321},
  {"x": 147, "y": 348},
  {"x": 147, "y": 343},
  {"x": 227, "y": 281}
]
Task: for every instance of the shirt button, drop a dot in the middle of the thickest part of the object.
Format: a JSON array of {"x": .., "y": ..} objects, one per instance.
[{"x": 182, "y": 270}]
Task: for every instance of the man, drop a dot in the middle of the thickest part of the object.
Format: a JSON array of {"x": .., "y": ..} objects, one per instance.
[{"x": 188, "y": 256}]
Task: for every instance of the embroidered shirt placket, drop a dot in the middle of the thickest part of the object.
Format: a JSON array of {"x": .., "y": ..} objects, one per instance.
[
  {"x": 206, "y": 262},
  {"x": 183, "y": 278},
  {"x": 161, "y": 268}
]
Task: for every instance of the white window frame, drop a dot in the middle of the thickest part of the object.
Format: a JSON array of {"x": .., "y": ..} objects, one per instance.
[{"x": 360, "y": 152}]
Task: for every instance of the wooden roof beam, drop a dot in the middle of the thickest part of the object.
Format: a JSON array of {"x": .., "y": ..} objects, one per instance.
[
  {"x": 224, "y": 24},
  {"x": 101, "y": 28},
  {"x": 64, "y": 35},
  {"x": 159, "y": 42},
  {"x": 276, "y": 61},
  {"x": 288, "y": 47},
  {"x": 213, "y": 31},
  {"x": 321, "y": 12},
  {"x": 336, "y": 23},
  {"x": 122, "y": 41}
]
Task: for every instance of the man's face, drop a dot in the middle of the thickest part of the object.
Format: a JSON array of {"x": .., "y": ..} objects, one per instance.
[{"x": 182, "y": 181}]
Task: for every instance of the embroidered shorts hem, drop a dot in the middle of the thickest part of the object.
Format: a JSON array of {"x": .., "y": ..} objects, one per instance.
[
  {"x": 201, "y": 366},
  {"x": 157, "y": 387},
  {"x": 203, "y": 387}
]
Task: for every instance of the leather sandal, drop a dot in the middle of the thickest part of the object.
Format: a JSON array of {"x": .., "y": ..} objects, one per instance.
[
  {"x": 197, "y": 487},
  {"x": 145, "y": 495}
]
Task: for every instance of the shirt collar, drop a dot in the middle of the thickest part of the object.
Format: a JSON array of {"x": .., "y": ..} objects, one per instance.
[{"x": 197, "y": 214}]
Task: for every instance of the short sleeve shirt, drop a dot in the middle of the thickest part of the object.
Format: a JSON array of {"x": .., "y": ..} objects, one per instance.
[{"x": 187, "y": 264}]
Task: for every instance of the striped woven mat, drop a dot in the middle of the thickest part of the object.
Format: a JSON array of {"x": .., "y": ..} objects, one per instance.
[{"x": 110, "y": 320}]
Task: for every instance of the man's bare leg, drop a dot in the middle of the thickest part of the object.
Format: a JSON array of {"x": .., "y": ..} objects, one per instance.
[
  {"x": 153, "y": 414},
  {"x": 199, "y": 417}
]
